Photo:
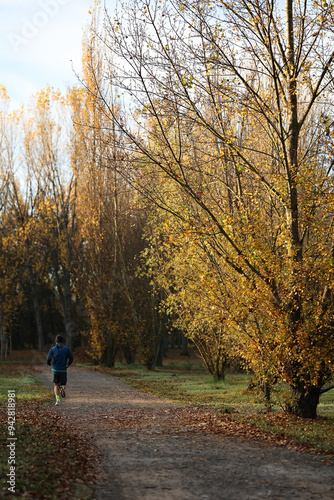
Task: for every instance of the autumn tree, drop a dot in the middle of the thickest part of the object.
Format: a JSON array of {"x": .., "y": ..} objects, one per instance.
[
  {"x": 8, "y": 141},
  {"x": 191, "y": 282},
  {"x": 9, "y": 123},
  {"x": 27, "y": 224},
  {"x": 252, "y": 81},
  {"x": 110, "y": 223},
  {"x": 48, "y": 138}
]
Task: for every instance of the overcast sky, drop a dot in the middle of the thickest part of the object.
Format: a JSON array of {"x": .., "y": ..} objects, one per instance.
[{"x": 38, "y": 40}]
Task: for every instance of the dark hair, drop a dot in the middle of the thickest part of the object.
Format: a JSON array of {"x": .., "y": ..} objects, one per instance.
[{"x": 60, "y": 339}]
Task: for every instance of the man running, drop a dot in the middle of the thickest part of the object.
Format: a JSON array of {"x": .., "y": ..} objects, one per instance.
[{"x": 62, "y": 358}]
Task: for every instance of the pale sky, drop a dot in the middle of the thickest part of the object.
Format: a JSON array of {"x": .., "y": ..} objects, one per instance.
[{"x": 38, "y": 40}]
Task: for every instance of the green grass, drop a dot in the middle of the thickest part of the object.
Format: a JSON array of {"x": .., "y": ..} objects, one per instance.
[
  {"x": 48, "y": 457},
  {"x": 27, "y": 387},
  {"x": 187, "y": 383},
  {"x": 178, "y": 383}
]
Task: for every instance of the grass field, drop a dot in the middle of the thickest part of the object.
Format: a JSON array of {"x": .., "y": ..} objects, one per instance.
[
  {"x": 186, "y": 382},
  {"x": 47, "y": 456}
]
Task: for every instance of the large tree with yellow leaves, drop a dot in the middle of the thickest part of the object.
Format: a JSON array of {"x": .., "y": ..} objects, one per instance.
[{"x": 233, "y": 104}]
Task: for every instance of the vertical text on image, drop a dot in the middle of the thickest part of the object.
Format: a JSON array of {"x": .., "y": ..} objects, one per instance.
[{"x": 11, "y": 445}]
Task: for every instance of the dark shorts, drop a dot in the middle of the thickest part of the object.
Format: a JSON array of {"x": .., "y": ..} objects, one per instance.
[{"x": 60, "y": 378}]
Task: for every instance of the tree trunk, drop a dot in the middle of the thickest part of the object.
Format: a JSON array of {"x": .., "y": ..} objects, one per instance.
[
  {"x": 64, "y": 290},
  {"x": 184, "y": 351},
  {"x": 215, "y": 360},
  {"x": 4, "y": 345},
  {"x": 156, "y": 351},
  {"x": 305, "y": 401},
  {"x": 219, "y": 371},
  {"x": 38, "y": 316},
  {"x": 111, "y": 351},
  {"x": 265, "y": 387},
  {"x": 129, "y": 354},
  {"x": 159, "y": 357}
]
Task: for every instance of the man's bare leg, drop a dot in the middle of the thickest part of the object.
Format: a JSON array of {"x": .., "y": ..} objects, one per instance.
[{"x": 56, "y": 391}]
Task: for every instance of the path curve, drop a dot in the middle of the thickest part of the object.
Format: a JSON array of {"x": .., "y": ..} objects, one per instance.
[{"x": 159, "y": 461}]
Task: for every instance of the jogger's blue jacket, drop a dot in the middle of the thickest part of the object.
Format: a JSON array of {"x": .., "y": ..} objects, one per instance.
[{"x": 62, "y": 357}]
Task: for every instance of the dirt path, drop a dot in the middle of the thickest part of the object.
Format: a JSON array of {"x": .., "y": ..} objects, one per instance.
[{"x": 157, "y": 459}]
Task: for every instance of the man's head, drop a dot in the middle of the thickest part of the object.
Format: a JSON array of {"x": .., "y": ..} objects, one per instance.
[{"x": 60, "y": 339}]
